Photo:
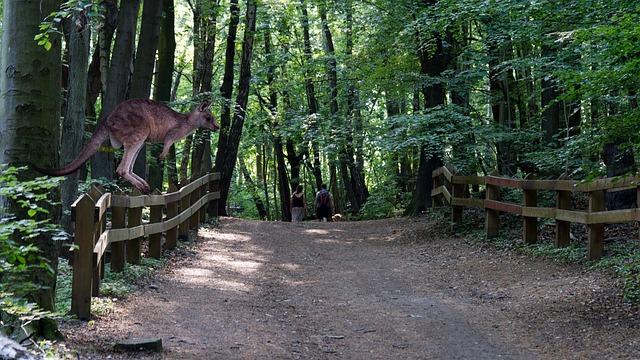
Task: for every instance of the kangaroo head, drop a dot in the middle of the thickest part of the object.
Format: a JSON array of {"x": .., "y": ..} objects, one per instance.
[{"x": 201, "y": 117}]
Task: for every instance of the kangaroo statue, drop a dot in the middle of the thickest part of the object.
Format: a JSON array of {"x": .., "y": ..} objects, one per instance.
[{"x": 132, "y": 123}]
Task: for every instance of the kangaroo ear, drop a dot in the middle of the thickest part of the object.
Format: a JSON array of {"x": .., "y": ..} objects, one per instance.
[{"x": 204, "y": 106}]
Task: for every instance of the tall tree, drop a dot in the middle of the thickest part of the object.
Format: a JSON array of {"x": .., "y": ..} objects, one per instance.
[
  {"x": 205, "y": 21},
  {"x": 312, "y": 102},
  {"x": 283, "y": 182},
  {"x": 434, "y": 59},
  {"x": 30, "y": 95},
  {"x": 74, "y": 119},
  {"x": 163, "y": 85},
  {"x": 143, "y": 66},
  {"x": 102, "y": 164},
  {"x": 227, "y": 152},
  {"x": 99, "y": 67}
]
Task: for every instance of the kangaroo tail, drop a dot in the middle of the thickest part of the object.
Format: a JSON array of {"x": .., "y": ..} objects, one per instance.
[{"x": 91, "y": 147}]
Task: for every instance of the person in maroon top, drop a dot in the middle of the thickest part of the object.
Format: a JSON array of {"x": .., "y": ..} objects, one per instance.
[{"x": 298, "y": 205}]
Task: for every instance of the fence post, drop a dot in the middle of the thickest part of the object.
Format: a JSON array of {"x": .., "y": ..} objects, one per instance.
[
  {"x": 214, "y": 186},
  {"x": 82, "y": 213},
  {"x": 457, "y": 191},
  {"x": 184, "y": 225},
  {"x": 171, "y": 237},
  {"x": 134, "y": 219},
  {"x": 155, "y": 240},
  {"x": 563, "y": 228},
  {"x": 194, "y": 220},
  {"x": 118, "y": 259},
  {"x": 530, "y": 224},
  {"x": 492, "y": 217},
  {"x": 596, "y": 231}
]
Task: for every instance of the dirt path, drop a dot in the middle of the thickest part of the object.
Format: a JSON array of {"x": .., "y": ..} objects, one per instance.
[{"x": 367, "y": 290}]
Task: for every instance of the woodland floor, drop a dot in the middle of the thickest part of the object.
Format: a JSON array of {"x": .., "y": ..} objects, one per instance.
[{"x": 388, "y": 289}]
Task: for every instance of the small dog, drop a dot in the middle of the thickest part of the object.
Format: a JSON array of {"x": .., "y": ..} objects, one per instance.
[{"x": 338, "y": 217}]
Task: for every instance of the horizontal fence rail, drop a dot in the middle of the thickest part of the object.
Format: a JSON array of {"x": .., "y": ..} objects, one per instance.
[
  {"x": 453, "y": 190},
  {"x": 172, "y": 214}
]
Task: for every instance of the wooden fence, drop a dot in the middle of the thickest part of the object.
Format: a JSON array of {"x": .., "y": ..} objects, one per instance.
[
  {"x": 173, "y": 213},
  {"x": 454, "y": 190}
]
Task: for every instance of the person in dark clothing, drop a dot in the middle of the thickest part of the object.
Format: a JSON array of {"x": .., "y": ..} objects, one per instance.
[
  {"x": 323, "y": 204},
  {"x": 298, "y": 205}
]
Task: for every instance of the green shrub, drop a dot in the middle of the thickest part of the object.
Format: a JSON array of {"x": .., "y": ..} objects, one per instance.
[{"x": 19, "y": 258}]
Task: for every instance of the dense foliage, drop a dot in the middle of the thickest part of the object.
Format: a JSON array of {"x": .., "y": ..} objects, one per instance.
[{"x": 20, "y": 259}]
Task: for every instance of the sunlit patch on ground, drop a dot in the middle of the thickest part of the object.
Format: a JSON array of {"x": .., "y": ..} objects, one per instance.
[
  {"x": 290, "y": 266},
  {"x": 317, "y": 232},
  {"x": 241, "y": 266},
  {"x": 223, "y": 236}
]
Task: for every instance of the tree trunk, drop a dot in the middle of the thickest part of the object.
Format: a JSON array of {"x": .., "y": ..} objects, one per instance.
[
  {"x": 225, "y": 162},
  {"x": 312, "y": 102},
  {"x": 549, "y": 102},
  {"x": 204, "y": 47},
  {"x": 502, "y": 84},
  {"x": 283, "y": 181},
  {"x": 163, "y": 89},
  {"x": 354, "y": 129},
  {"x": 253, "y": 190},
  {"x": 99, "y": 68},
  {"x": 102, "y": 164},
  {"x": 432, "y": 63},
  {"x": 344, "y": 158},
  {"x": 143, "y": 67},
  {"x": 73, "y": 122},
  {"x": 30, "y": 100}
]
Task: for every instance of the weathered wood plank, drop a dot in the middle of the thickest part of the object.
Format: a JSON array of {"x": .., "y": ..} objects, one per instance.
[
  {"x": 437, "y": 172},
  {"x": 468, "y": 202},
  {"x": 564, "y": 185},
  {"x": 503, "y": 182},
  {"x": 574, "y": 216},
  {"x": 539, "y": 212},
  {"x": 503, "y": 207},
  {"x": 609, "y": 183},
  {"x": 467, "y": 180},
  {"x": 101, "y": 246},
  {"x": 613, "y": 216},
  {"x": 102, "y": 205}
]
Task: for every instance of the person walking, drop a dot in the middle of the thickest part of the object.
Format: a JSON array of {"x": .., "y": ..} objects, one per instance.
[
  {"x": 323, "y": 204},
  {"x": 298, "y": 205}
]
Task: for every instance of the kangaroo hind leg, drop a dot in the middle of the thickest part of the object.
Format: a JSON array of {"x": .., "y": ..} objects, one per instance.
[{"x": 126, "y": 165}]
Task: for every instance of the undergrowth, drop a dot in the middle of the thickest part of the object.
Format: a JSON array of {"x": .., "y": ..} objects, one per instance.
[
  {"x": 621, "y": 258},
  {"x": 114, "y": 284}
]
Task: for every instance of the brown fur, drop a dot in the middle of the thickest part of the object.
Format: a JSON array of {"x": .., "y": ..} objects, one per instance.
[
  {"x": 338, "y": 217},
  {"x": 132, "y": 123}
]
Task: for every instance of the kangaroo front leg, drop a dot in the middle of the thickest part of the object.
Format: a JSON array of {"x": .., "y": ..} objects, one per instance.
[{"x": 168, "y": 141}]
